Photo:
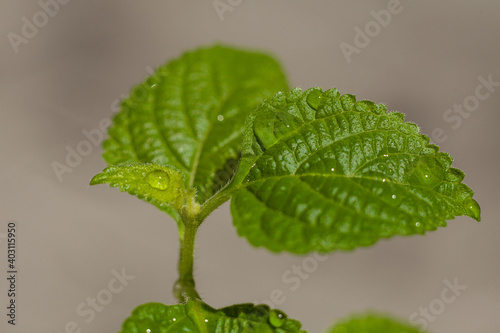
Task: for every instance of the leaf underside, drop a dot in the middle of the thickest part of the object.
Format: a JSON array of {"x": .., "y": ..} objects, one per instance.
[
  {"x": 373, "y": 323},
  {"x": 190, "y": 115},
  {"x": 197, "y": 317},
  {"x": 322, "y": 172}
]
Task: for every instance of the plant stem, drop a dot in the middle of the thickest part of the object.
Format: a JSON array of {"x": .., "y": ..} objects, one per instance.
[{"x": 184, "y": 288}]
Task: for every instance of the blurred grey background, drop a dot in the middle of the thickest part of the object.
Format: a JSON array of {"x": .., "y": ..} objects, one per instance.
[{"x": 65, "y": 73}]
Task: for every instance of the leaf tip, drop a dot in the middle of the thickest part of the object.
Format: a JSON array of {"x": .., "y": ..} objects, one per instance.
[
  {"x": 98, "y": 179},
  {"x": 473, "y": 209}
]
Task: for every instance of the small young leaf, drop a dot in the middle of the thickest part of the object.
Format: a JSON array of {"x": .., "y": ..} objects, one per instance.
[
  {"x": 321, "y": 172},
  {"x": 372, "y": 323},
  {"x": 198, "y": 317},
  {"x": 160, "y": 185},
  {"x": 190, "y": 114}
]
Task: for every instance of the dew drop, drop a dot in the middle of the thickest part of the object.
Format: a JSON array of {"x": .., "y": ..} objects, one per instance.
[
  {"x": 206, "y": 320},
  {"x": 220, "y": 117},
  {"x": 383, "y": 180},
  {"x": 428, "y": 172},
  {"x": 333, "y": 169},
  {"x": 158, "y": 179},
  {"x": 418, "y": 224},
  {"x": 277, "y": 318},
  {"x": 314, "y": 98},
  {"x": 473, "y": 209},
  {"x": 148, "y": 331},
  {"x": 394, "y": 196},
  {"x": 174, "y": 319}
]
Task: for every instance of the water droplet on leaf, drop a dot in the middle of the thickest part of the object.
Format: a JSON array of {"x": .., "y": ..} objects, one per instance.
[
  {"x": 473, "y": 209},
  {"x": 220, "y": 117},
  {"x": 263, "y": 128},
  {"x": 314, "y": 98},
  {"x": 206, "y": 320},
  {"x": 418, "y": 224},
  {"x": 394, "y": 196},
  {"x": 158, "y": 179},
  {"x": 427, "y": 171},
  {"x": 277, "y": 318},
  {"x": 430, "y": 180}
]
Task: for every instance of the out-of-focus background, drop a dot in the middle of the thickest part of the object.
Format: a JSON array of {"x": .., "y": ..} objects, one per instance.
[{"x": 64, "y": 65}]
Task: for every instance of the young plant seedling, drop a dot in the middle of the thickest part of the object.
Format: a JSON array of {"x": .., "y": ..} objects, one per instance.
[{"x": 306, "y": 171}]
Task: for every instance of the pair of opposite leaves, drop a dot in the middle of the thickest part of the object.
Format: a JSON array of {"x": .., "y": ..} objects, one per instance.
[{"x": 306, "y": 171}]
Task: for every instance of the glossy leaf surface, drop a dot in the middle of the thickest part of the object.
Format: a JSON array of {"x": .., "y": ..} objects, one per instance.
[
  {"x": 157, "y": 184},
  {"x": 323, "y": 172},
  {"x": 190, "y": 114},
  {"x": 197, "y": 317}
]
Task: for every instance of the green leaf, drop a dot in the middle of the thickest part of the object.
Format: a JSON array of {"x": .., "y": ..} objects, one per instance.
[
  {"x": 373, "y": 323},
  {"x": 190, "y": 114},
  {"x": 198, "y": 317},
  {"x": 321, "y": 172},
  {"x": 160, "y": 185}
]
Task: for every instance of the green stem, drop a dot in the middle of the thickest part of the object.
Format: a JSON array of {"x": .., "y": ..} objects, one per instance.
[
  {"x": 215, "y": 201},
  {"x": 225, "y": 193},
  {"x": 184, "y": 288}
]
